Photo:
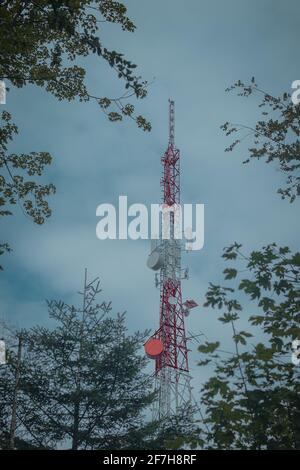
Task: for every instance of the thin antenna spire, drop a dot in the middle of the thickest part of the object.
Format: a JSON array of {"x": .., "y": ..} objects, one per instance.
[{"x": 171, "y": 122}]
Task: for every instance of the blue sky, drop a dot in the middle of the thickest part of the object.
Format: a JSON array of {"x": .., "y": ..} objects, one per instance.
[{"x": 192, "y": 51}]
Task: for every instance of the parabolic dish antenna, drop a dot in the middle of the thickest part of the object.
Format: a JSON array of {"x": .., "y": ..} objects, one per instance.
[{"x": 155, "y": 260}]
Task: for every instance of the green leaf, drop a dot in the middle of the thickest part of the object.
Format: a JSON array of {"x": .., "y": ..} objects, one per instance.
[
  {"x": 230, "y": 273},
  {"x": 228, "y": 317},
  {"x": 250, "y": 288},
  {"x": 263, "y": 353},
  {"x": 208, "y": 348}
]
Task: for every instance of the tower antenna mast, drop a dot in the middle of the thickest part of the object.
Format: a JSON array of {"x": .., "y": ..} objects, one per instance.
[{"x": 168, "y": 345}]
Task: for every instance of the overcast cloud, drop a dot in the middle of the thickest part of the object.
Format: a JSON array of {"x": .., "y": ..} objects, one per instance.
[{"x": 192, "y": 50}]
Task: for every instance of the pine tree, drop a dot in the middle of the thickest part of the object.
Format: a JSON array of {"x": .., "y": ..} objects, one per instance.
[{"x": 82, "y": 383}]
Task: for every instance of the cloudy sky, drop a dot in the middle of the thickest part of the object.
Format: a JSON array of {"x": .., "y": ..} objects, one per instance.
[{"x": 191, "y": 51}]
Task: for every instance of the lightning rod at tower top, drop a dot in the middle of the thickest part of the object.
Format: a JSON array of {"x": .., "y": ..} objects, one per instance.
[{"x": 168, "y": 345}]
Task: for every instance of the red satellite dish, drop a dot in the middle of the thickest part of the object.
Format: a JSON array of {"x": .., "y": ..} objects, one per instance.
[{"x": 153, "y": 348}]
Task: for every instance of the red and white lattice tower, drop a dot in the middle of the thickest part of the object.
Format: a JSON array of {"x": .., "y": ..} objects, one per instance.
[{"x": 168, "y": 345}]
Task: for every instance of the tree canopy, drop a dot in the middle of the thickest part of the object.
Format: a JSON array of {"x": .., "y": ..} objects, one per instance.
[
  {"x": 82, "y": 384},
  {"x": 44, "y": 43},
  {"x": 252, "y": 397},
  {"x": 275, "y": 135}
]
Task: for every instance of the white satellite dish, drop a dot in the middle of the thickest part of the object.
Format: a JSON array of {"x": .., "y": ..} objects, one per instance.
[{"x": 155, "y": 260}]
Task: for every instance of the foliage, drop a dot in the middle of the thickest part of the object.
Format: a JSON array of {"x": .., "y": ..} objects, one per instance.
[
  {"x": 14, "y": 187},
  {"x": 83, "y": 384},
  {"x": 252, "y": 397},
  {"x": 275, "y": 135},
  {"x": 42, "y": 43}
]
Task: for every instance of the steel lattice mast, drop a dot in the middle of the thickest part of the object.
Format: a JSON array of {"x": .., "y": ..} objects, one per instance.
[{"x": 169, "y": 343}]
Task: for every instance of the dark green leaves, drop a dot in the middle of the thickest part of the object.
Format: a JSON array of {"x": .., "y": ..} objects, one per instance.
[
  {"x": 15, "y": 186},
  {"x": 232, "y": 251},
  {"x": 252, "y": 395},
  {"x": 228, "y": 317},
  {"x": 250, "y": 288},
  {"x": 263, "y": 353},
  {"x": 241, "y": 336},
  {"x": 42, "y": 45},
  {"x": 230, "y": 273},
  {"x": 275, "y": 136},
  {"x": 208, "y": 347},
  {"x": 82, "y": 380}
]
